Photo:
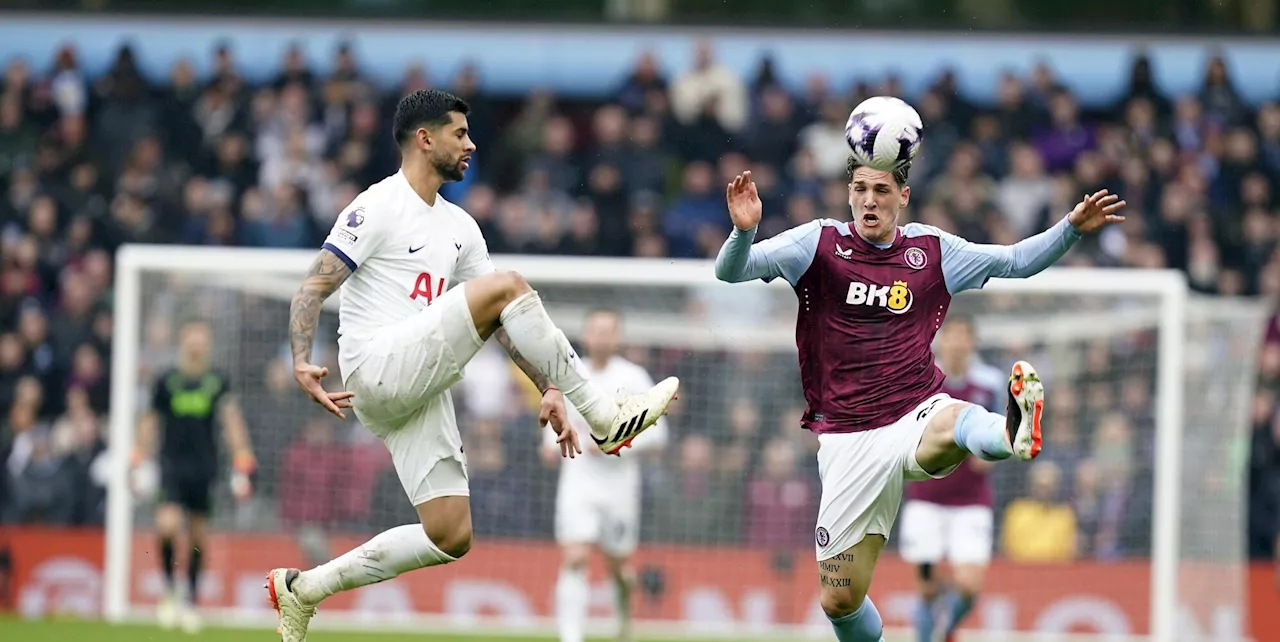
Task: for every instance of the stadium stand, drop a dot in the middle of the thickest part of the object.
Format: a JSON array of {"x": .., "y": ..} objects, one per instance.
[{"x": 87, "y": 165}]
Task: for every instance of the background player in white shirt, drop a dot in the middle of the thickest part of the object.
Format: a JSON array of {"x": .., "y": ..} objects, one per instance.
[
  {"x": 405, "y": 338},
  {"x": 598, "y": 498}
]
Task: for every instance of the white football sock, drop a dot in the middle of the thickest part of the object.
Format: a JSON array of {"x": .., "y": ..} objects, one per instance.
[
  {"x": 572, "y": 594},
  {"x": 388, "y": 554},
  {"x": 545, "y": 346}
]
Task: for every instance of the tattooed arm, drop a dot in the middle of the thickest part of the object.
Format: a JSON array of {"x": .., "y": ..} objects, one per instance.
[
  {"x": 327, "y": 273},
  {"x": 324, "y": 278},
  {"x": 540, "y": 380}
]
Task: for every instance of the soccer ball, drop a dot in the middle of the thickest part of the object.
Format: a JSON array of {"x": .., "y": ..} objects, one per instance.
[{"x": 884, "y": 133}]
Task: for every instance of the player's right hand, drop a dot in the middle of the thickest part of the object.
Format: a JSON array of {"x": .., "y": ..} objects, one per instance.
[
  {"x": 745, "y": 209},
  {"x": 309, "y": 376},
  {"x": 553, "y": 412}
]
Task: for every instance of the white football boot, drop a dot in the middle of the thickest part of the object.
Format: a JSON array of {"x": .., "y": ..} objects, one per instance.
[
  {"x": 636, "y": 413},
  {"x": 295, "y": 614},
  {"x": 190, "y": 620},
  {"x": 1024, "y": 411},
  {"x": 167, "y": 610}
]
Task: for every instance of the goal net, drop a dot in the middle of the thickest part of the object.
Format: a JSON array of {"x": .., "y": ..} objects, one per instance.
[{"x": 1148, "y": 394}]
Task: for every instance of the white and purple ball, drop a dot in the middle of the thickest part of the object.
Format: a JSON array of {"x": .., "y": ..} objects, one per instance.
[{"x": 884, "y": 133}]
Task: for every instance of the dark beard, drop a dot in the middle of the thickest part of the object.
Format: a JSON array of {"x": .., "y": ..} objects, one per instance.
[{"x": 451, "y": 172}]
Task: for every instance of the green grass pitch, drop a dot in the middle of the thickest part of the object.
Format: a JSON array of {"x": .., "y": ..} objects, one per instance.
[
  {"x": 69, "y": 630},
  {"x": 88, "y": 631}
]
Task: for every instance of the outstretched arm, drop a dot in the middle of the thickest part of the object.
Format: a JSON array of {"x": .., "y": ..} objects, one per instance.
[
  {"x": 787, "y": 255},
  {"x": 326, "y": 275},
  {"x": 969, "y": 265}
]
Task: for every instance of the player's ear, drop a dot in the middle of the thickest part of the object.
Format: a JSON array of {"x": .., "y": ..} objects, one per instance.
[{"x": 906, "y": 196}]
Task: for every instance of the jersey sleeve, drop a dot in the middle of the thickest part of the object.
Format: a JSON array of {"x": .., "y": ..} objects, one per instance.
[
  {"x": 968, "y": 266},
  {"x": 473, "y": 259},
  {"x": 357, "y": 234},
  {"x": 787, "y": 255}
]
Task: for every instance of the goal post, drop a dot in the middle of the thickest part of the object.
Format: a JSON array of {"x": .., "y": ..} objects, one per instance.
[{"x": 675, "y": 308}]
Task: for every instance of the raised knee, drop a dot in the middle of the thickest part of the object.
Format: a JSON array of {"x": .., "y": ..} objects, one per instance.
[
  {"x": 512, "y": 284},
  {"x": 454, "y": 542},
  {"x": 838, "y": 603},
  {"x": 946, "y": 419}
]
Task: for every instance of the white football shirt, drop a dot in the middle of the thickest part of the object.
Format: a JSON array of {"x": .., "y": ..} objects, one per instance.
[
  {"x": 596, "y": 471},
  {"x": 403, "y": 254}
]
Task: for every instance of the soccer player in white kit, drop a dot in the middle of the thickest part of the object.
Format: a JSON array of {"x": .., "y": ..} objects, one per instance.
[
  {"x": 406, "y": 335},
  {"x": 598, "y": 498}
]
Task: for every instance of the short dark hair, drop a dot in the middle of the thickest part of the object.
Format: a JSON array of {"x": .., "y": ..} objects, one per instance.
[
  {"x": 899, "y": 175},
  {"x": 425, "y": 108}
]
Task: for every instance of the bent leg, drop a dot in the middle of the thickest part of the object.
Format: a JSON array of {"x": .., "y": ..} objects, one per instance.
[
  {"x": 845, "y": 579},
  {"x": 505, "y": 299},
  {"x": 958, "y": 430},
  {"x": 535, "y": 343},
  {"x": 443, "y": 536}
]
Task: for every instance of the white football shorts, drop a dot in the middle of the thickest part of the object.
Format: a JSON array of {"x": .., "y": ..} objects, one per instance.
[
  {"x": 402, "y": 394},
  {"x": 933, "y": 533},
  {"x": 584, "y": 515},
  {"x": 863, "y": 474}
]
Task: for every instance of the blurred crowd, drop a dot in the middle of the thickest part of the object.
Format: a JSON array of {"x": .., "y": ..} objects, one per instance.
[{"x": 87, "y": 164}]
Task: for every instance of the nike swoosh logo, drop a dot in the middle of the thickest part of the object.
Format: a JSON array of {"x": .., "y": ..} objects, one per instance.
[{"x": 415, "y": 249}]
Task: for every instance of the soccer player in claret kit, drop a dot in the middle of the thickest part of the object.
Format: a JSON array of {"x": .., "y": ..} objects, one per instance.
[
  {"x": 598, "y": 498},
  {"x": 188, "y": 402},
  {"x": 406, "y": 335},
  {"x": 871, "y": 297},
  {"x": 952, "y": 518}
]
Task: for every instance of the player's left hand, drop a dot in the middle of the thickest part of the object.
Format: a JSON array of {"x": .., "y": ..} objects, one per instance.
[
  {"x": 1096, "y": 211},
  {"x": 553, "y": 412}
]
